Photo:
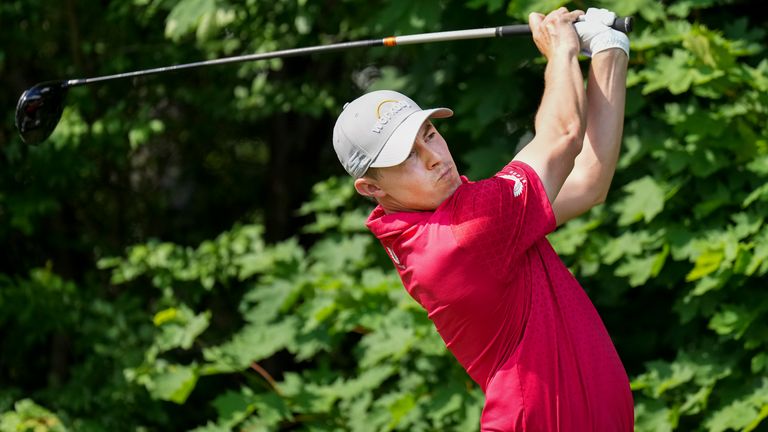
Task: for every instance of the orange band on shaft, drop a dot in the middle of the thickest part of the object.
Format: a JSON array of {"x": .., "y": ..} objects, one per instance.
[{"x": 390, "y": 41}]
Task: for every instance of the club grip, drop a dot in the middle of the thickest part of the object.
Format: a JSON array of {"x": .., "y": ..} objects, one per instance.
[{"x": 622, "y": 24}]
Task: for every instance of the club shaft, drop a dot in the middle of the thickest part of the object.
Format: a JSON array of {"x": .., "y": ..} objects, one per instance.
[
  {"x": 295, "y": 52},
  {"x": 623, "y": 24},
  {"x": 448, "y": 36},
  {"x": 236, "y": 59},
  {"x": 388, "y": 41}
]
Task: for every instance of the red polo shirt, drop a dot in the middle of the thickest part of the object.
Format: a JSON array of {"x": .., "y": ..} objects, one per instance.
[{"x": 508, "y": 308}]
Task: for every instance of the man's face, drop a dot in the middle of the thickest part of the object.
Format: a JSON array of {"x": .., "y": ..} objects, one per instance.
[{"x": 424, "y": 180}]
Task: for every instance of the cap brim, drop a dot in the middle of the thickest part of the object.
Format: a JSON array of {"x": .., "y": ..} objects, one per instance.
[{"x": 398, "y": 146}]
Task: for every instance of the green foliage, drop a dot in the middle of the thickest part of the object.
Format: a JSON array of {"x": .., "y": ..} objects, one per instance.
[
  {"x": 366, "y": 354},
  {"x": 27, "y": 416},
  {"x": 164, "y": 269}
]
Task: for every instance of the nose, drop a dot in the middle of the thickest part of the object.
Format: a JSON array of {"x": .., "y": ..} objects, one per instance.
[{"x": 430, "y": 156}]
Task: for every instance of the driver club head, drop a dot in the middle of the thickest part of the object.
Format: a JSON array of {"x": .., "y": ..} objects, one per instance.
[{"x": 39, "y": 110}]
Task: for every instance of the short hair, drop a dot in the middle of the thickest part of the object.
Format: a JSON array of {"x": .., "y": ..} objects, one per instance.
[{"x": 373, "y": 173}]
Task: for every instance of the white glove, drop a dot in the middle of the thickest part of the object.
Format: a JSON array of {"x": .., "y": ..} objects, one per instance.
[{"x": 595, "y": 32}]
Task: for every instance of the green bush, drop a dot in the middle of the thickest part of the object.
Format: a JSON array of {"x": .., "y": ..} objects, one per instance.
[{"x": 156, "y": 274}]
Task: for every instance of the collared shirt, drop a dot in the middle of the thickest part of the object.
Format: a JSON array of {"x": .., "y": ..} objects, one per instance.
[{"x": 508, "y": 308}]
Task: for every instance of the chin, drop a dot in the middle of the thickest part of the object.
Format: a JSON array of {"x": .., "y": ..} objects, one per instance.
[
  {"x": 444, "y": 196},
  {"x": 455, "y": 183}
]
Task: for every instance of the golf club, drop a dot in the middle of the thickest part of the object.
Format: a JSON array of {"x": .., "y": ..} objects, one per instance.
[{"x": 40, "y": 107}]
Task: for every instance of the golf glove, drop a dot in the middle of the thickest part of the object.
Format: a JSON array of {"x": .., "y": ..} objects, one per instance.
[{"x": 596, "y": 34}]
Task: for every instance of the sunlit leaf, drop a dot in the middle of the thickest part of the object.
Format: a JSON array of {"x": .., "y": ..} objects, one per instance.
[
  {"x": 175, "y": 383},
  {"x": 644, "y": 200}
]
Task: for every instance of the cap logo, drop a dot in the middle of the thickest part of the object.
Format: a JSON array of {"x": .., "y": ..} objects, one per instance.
[{"x": 383, "y": 119}]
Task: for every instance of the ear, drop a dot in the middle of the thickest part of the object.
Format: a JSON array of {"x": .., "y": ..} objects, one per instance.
[{"x": 369, "y": 188}]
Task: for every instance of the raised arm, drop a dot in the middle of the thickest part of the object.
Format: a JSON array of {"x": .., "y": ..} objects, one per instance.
[
  {"x": 588, "y": 183},
  {"x": 561, "y": 118}
]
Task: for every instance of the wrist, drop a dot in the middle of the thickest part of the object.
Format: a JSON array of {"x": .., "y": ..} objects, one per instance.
[
  {"x": 613, "y": 55},
  {"x": 564, "y": 52},
  {"x": 607, "y": 40}
]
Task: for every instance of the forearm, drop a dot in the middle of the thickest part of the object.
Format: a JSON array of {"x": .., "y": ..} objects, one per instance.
[
  {"x": 593, "y": 170},
  {"x": 562, "y": 112},
  {"x": 560, "y": 123}
]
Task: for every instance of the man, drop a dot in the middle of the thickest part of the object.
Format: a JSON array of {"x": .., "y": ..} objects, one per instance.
[{"x": 474, "y": 254}]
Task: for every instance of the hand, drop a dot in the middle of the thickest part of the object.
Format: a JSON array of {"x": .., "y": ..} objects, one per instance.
[
  {"x": 596, "y": 34},
  {"x": 555, "y": 32}
]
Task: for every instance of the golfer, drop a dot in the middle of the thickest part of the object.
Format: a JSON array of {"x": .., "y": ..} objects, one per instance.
[{"x": 475, "y": 255}]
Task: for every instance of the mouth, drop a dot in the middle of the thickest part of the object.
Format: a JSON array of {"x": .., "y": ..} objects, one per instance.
[{"x": 444, "y": 174}]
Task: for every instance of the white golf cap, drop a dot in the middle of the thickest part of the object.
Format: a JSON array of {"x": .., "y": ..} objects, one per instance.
[{"x": 378, "y": 130}]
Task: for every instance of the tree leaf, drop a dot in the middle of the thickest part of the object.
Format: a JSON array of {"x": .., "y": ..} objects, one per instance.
[
  {"x": 645, "y": 199},
  {"x": 174, "y": 383}
]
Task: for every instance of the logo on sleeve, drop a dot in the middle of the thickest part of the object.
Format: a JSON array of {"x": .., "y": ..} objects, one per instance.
[{"x": 517, "y": 179}]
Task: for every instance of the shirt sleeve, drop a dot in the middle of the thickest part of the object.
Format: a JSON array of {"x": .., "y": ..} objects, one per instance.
[{"x": 501, "y": 217}]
